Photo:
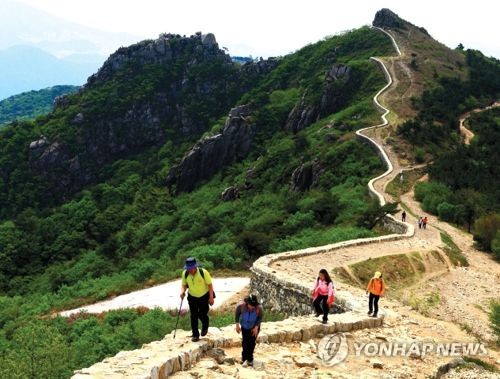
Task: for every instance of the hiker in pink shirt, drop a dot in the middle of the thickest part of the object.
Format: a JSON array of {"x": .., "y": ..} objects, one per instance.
[{"x": 323, "y": 294}]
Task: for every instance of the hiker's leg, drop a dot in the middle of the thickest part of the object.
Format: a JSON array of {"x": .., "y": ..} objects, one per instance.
[
  {"x": 245, "y": 344},
  {"x": 370, "y": 303},
  {"x": 193, "y": 312},
  {"x": 204, "y": 307},
  {"x": 324, "y": 300},
  {"x": 375, "y": 304},
  {"x": 317, "y": 306},
  {"x": 251, "y": 347}
]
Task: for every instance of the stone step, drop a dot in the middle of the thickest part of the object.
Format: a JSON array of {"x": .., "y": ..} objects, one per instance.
[{"x": 159, "y": 359}]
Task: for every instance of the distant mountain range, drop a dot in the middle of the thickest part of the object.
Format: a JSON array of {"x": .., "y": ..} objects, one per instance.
[
  {"x": 29, "y": 105},
  {"x": 26, "y": 68},
  {"x": 38, "y": 50},
  {"x": 21, "y": 24}
]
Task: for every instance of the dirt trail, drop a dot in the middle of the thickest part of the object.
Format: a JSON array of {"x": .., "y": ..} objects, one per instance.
[
  {"x": 465, "y": 292},
  {"x": 466, "y": 133}
]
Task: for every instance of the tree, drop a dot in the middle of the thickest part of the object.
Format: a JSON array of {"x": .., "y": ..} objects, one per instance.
[
  {"x": 485, "y": 230},
  {"x": 38, "y": 351},
  {"x": 375, "y": 213}
]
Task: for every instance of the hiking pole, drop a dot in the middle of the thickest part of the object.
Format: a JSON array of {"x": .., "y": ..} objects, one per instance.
[{"x": 178, "y": 314}]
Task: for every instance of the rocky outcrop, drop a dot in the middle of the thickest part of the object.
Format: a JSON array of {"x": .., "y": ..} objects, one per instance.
[
  {"x": 209, "y": 155},
  {"x": 385, "y": 18},
  {"x": 333, "y": 98},
  {"x": 230, "y": 194},
  {"x": 305, "y": 176},
  {"x": 161, "y": 51},
  {"x": 192, "y": 72}
]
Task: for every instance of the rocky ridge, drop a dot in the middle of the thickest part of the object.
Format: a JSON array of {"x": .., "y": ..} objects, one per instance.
[{"x": 186, "y": 73}]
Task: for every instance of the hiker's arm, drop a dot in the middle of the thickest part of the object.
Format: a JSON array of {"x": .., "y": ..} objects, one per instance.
[
  {"x": 183, "y": 290},
  {"x": 260, "y": 314},
  {"x": 211, "y": 294},
  {"x": 237, "y": 314},
  {"x": 383, "y": 288},
  {"x": 368, "y": 286},
  {"x": 256, "y": 328}
]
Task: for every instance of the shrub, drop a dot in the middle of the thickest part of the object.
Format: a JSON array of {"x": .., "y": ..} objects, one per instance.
[
  {"x": 446, "y": 211},
  {"x": 485, "y": 230}
]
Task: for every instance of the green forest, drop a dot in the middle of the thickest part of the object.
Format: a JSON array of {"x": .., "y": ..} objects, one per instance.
[
  {"x": 29, "y": 105},
  {"x": 126, "y": 229}
]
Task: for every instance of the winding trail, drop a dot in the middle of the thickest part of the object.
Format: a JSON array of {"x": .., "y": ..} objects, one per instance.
[
  {"x": 467, "y": 134},
  {"x": 465, "y": 292}
]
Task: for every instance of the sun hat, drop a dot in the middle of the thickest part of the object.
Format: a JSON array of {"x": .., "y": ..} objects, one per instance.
[{"x": 190, "y": 263}]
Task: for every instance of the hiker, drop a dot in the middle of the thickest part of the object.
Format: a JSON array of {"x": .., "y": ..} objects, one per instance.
[
  {"x": 248, "y": 316},
  {"x": 424, "y": 222},
  {"x": 201, "y": 294},
  {"x": 403, "y": 216},
  {"x": 323, "y": 294},
  {"x": 420, "y": 222},
  {"x": 376, "y": 289}
]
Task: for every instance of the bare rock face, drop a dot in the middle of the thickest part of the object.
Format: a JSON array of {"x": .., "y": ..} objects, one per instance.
[
  {"x": 305, "y": 176},
  {"x": 209, "y": 155}
]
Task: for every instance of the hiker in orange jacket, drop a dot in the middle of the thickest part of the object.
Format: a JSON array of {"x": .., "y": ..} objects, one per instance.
[
  {"x": 323, "y": 294},
  {"x": 376, "y": 288}
]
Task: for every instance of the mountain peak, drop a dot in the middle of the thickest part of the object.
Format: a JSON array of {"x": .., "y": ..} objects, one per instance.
[{"x": 387, "y": 18}]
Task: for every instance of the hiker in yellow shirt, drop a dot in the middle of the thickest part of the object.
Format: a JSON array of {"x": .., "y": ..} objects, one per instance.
[{"x": 200, "y": 295}]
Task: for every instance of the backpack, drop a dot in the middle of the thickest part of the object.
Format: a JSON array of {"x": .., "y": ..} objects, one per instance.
[{"x": 202, "y": 273}]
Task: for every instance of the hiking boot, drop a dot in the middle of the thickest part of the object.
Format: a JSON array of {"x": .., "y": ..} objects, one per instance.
[
  {"x": 245, "y": 364},
  {"x": 195, "y": 339},
  {"x": 250, "y": 363},
  {"x": 374, "y": 315},
  {"x": 369, "y": 313},
  {"x": 204, "y": 332},
  {"x": 324, "y": 321}
]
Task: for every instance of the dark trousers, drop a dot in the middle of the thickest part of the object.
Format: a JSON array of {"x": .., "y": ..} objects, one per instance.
[
  {"x": 319, "y": 303},
  {"x": 373, "y": 303},
  {"x": 198, "y": 309},
  {"x": 248, "y": 345}
]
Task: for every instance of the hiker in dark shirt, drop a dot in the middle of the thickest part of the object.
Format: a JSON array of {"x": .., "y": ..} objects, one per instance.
[{"x": 248, "y": 316}]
